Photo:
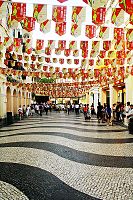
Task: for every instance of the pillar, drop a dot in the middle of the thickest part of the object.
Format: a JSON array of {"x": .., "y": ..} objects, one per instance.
[
  {"x": 113, "y": 95},
  {"x": 96, "y": 98},
  {"x": 102, "y": 96},
  {"x": 129, "y": 89}
]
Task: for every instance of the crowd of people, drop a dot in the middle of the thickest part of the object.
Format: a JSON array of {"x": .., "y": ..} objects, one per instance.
[{"x": 104, "y": 113}]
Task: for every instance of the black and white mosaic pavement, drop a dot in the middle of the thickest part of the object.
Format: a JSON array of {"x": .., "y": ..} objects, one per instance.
[{"x": 61, "y": 157}]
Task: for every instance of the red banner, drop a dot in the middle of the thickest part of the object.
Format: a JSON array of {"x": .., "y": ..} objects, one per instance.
[
  {"x": 119, "y": 33},
  {"x": 126, "y": 5},
  {"x": 90, "y": 31},
  {"x": 98, "y": 16},
  {"x": 67, "y": 52},
  {"x": 29, "y": 24},
  {"x": 59, "y": 13},
  {"x": 106, "y": 45},
  {"x": 18, "y": 11},
  {"x": 39, "y": 44},
  {"x": 62, "y": 44},
  {"x": 84, "y": 45},
  {"x": 60, "y": 28}
]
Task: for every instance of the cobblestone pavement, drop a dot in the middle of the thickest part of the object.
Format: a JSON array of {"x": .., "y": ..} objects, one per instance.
[{"x": 61, "y": 157}]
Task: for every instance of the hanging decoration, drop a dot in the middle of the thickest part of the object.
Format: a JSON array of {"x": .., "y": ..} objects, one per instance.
[
  {"x": 60, "y": 28},
  {"x": 29, "y": 24},
  {"x": 126, "y": 5},
  {"x": 75, "y": 30},
  {"x": 90, "y": 31},
  {"x": 104, "y": 32},
  {"x": 119, "y": 33},
  {"x": 3, "y": 9},
  {"x": 73, "y": 45},
  {"x": 40, "y": 12},
  {"x": 39, "y": 44},
  {"x": 51, "y": 44},
  {"x": 59, "y": 13},
  {"x": 107, "y": 45},
  {"x": 45, "y": 26},
  {"x": 118, "y": 16},
  {"x": 129, "y": 35},
  {"x": 78, "y": 14},
  {"x": 98, "y": 16},
  {"x": 18, "y": 11},
  {"x": 62, "y": 44}
]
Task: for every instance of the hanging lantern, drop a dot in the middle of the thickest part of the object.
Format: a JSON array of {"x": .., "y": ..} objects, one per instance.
[{"x": 96, "y": 45}]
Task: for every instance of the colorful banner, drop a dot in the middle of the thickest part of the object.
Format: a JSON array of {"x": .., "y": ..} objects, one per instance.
[
  {"x": 98, "y": 16},
  {"x": 39, "y": 44},
  {"x": 76, "y": 53},
  {"x": 117, "y": 16},
  {"x": 96, "y": 45},
  {"x": 129, "y": 35},
  {"x": 107, "y": 45},
  {"x": 45, "y": 26},
  {"x": 51, "y": 44},
  {"x": 73, "y": 45},
  {"x": 90, "y": 31},
  {"x": 118, "y": 33},
  {"x": 78, "y": 14},
  {"x": 40, "y": 12},
  {"x": 126, "y": 5},
  {"x": 60, "y": 28},
  {"x": 62, "y": 44},
  {"x": 29, "y": 24},
  {"x": 18, "y": 11},
  {"x": 67, "y": 52},
  {"x": 104, "y": 32},
  {"x": 84, "y": 45},
  {"x": 59, "y": 13},
  {"x": 75, "y": 30}
]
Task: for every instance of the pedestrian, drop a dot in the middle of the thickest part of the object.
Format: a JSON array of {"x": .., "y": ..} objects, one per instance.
[
  {"x": 108, "y": 114},
  {"x": 20, "y": 112}
]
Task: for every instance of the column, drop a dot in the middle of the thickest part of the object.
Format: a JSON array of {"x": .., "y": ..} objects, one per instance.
[
  {"x": 102, "y": 96},
  {"x": 96, "y": 98},
  {"x": 87, "y": 98},
  {"x": 129, "y": 89},
  {"x": 113, "y": 95}
]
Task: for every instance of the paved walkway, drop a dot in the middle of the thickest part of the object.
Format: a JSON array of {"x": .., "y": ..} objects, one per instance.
[{"x": 61, "y": 157}]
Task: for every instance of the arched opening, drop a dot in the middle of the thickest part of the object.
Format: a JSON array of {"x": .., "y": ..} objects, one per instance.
[
  {"x": 14, "y": 102},
  {"x": 8, "y": 104}
]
